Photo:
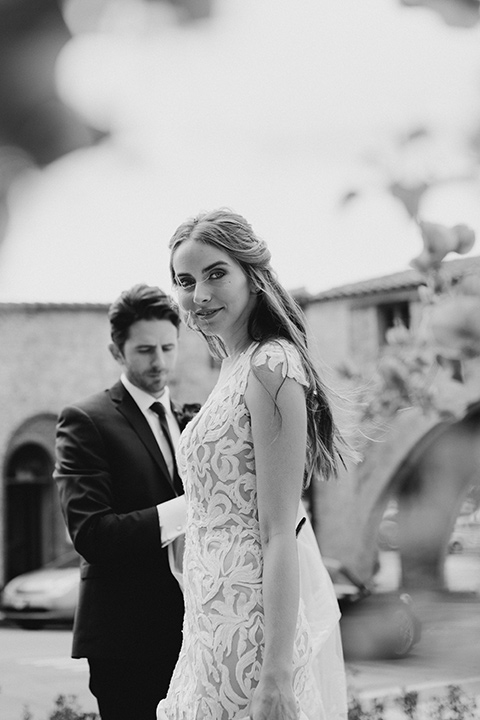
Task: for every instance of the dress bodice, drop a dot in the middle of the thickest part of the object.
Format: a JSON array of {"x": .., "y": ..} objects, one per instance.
[{"x": 215, "y": 455}]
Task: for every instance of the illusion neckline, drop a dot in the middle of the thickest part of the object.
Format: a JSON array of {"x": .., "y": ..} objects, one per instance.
[
  {"x": 231, "y": 359},
  {"x": 230, "y": 362}
]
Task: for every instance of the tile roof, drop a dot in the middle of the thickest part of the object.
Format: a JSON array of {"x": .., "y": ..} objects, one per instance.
[{"x": 406, "y": 280}]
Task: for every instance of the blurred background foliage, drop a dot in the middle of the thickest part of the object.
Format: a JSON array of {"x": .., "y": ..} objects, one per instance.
[
  {"x": 457, "y": 13},
  {"x": 433, "y": 367},
  {"x": 36, "y": 126}
]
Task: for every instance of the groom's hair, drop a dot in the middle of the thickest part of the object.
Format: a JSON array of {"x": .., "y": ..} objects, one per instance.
[{"x": 141, "y": 302}]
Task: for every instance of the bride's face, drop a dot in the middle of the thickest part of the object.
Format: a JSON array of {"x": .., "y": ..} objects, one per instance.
[{"x": 214, "y": 289}]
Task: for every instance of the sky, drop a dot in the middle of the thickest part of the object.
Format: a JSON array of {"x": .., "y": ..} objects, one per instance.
[{"x": 274, "y": 108}]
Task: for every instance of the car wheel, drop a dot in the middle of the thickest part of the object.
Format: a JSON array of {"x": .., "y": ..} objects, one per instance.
[
  {"x": 405, "y": 632},
  {"x": 30, "y": 624},
  {"x": 455, "y": 547}
]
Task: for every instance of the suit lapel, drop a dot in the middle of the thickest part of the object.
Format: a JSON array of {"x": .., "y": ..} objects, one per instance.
[{"x": 127, "y": 406}]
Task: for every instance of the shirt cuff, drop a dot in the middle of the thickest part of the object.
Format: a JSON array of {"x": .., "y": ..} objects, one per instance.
[{"x": 172, "y": 516}]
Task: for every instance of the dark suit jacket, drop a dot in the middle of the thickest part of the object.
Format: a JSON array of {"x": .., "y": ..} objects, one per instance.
[{"x": 111, "y": 475}]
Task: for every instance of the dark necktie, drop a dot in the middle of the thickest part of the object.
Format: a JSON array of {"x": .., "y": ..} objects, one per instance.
[{"x": 159, "y": 410}]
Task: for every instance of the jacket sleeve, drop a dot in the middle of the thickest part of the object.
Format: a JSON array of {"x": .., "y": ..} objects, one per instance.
[{"x": 85, "y": 484}]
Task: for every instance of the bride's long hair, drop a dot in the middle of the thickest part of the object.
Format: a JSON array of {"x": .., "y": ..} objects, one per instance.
[{"x": 275, "y": 315}]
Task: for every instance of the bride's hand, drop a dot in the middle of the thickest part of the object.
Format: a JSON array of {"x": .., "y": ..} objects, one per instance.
[{"x": 273, "y": 701}]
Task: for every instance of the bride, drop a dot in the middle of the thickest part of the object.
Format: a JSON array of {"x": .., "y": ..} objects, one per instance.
[{"x": 261, "y": 636}]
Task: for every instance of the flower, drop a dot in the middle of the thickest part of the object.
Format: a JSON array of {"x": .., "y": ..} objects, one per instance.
[
  {"x": 455, "y": 325},
  {"x": 187, "y": 413},
  {"x": 438, "y": 241}
]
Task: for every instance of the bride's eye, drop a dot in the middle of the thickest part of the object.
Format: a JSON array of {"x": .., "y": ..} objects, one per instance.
[{"x": 217, "y": 274}]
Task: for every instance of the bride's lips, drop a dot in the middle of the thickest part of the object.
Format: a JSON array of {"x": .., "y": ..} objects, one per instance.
[{"x": 207, "y": 314}]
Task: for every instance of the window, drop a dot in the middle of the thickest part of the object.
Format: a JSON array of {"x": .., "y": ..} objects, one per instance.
[{"x": 390, "y": 315}]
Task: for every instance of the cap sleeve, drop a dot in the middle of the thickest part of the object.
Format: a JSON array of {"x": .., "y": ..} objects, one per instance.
[{"x": 281, "y": 353}]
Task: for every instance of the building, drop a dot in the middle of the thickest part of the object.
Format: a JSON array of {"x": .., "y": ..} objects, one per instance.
[{"x": 350, "y": 322}]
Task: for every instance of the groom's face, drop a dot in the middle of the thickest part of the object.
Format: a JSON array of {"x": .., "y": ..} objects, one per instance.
[{"x": 149, "y": 354}]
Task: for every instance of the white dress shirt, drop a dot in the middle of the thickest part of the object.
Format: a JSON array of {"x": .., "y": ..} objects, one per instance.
[{"x": 172, "y": 513}]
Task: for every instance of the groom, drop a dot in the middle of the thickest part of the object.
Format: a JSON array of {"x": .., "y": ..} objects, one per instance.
[{"x": 123, "y": 504}]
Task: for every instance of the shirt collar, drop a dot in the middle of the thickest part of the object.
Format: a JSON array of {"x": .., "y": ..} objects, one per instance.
[{"x": 143, "y": 399}]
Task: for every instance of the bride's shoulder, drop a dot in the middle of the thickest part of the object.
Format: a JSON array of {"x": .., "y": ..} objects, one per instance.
[{"x": 280, "y": 355}]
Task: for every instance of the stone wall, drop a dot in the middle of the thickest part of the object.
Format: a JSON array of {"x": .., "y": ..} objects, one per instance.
[{"x": 329, "y": 327}]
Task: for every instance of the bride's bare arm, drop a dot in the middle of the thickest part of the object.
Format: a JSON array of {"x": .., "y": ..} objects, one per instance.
[{"x": 278, "y": 417}]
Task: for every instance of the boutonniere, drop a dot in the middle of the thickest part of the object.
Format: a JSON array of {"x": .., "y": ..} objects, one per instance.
[{"x": 187, "y": 413}]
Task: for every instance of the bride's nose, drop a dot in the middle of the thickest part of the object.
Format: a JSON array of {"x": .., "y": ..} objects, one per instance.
[{"x": 202, "y": 293}]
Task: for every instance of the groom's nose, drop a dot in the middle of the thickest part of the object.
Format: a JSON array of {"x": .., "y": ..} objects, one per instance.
[{"x": 158, "y": 359}]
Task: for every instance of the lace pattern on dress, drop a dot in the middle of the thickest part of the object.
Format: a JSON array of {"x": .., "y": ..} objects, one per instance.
[{"x": 280, "y": 352}]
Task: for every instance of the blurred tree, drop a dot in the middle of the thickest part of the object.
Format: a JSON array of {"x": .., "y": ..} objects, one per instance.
[
  {"x": 458, "y": 13},
  {"x": 429, "y": 367},
  {"x": 192, "y": 9},
  {"x": 36, "y": 127},
  {"x": 414, "y": 162},
  {"x": 32, "y": 117}
]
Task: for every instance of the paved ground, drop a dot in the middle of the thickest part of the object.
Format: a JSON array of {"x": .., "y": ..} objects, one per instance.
[
  {"x": 447, "y": 654},
  {"x": 35, "y": 666}
]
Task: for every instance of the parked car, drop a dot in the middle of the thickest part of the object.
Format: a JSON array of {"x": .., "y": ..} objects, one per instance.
[
  {"x": 46, "y": 595},
  {"x": 466, "y": 534},
  {"x": 374, "y": 625}
]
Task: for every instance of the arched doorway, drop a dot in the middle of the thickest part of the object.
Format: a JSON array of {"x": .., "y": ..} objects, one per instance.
[
  {"x": 28, "y": 507},
  {"x": 34, "y": 527},
  {"x": 428, "y": 477}
]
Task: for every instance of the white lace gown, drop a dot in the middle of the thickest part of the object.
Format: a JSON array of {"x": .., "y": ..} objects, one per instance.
[{"x": 221, "y": 656}]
